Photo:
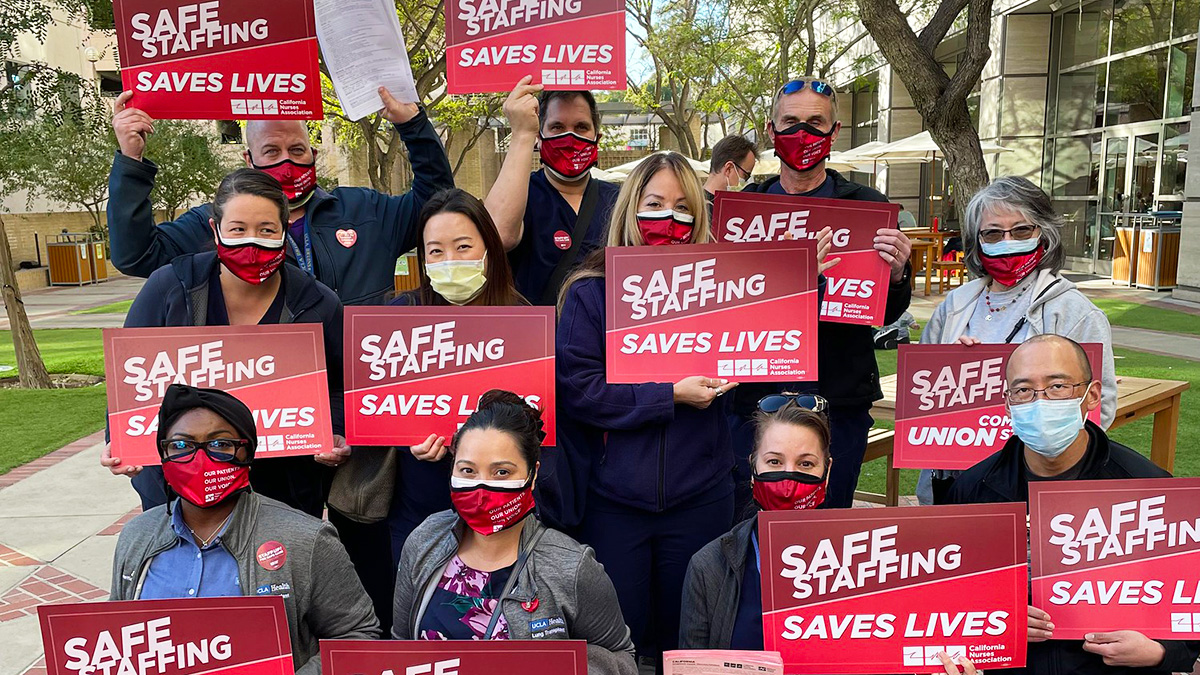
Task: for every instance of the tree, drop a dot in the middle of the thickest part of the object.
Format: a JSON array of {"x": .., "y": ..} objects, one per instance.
[
  {"x": 940, "y": 98},
  {"x": 31, "y": 369},
  {"x": 669, "y": 33},
  {"x": 190, "y": 164},
  {"x": 72, "y": 163}
]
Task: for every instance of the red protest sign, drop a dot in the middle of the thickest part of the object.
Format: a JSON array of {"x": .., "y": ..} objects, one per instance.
[
  {"x": 219, "y": 59},
  {"x": 1117, "y": 555},
  {"x": 856, "y": 288},
  {"x": 950, "y": 403},
  {"x": 564, "y": 45},
  {"x": 247, "y": 635},
  {"x": 883, "y": 591},
  {"x": 459, "y": 657},
  {"x": 415, "y": 371},
  {"x": 277, "y": 371},
  {"x": 746, "y": 312}
]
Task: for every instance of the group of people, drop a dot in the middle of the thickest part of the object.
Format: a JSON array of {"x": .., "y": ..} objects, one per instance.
[{"x": 637, "y": 532}]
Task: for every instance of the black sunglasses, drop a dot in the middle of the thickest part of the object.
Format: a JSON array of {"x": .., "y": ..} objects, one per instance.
[
  {"x": 774, "y": 402},
  {"x": 218, "y": 450}
]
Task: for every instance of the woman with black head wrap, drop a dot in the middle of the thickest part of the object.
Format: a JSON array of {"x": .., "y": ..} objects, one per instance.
[{"x": 216, "y": 537}]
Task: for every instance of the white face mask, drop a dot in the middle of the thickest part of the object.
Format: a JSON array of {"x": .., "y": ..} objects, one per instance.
[
  {"x": 460, "y": 483},
  {"x": 458, "y": 281},
  {"x": 1048, "y": 426}
]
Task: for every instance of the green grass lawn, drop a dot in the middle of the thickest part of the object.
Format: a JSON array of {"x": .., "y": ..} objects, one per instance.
[
  {"x": 35, "y": 422},
  {"x": 121, "y": 307},
  {"x": 1136, "y": 435},
  {"x": 1134, "y": 315}
]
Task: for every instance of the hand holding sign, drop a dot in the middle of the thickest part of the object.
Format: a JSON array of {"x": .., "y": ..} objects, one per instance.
[
  {"x": 337, "y": 455},
  {"x": 895, "y": 248},
  {"x": 824, "y": 245},
  {"x": 699, "y": 392},
  {"x": 1040, "y": 629},
  {"x": 948, "y": 663},
  {"x": 433, "y": 449},
  {"x": 131, "y": 126},
  {"x": 1125, "y": 649},
  {"x": 521, "y": 107},
  {"x": 113, "y": 464}
]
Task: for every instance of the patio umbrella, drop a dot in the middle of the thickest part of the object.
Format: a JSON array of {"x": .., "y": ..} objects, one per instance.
[{"x": 701, "y": 168}]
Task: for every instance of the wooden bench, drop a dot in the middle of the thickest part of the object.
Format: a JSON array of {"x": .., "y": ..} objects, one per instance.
[
  {"x": 879, "y": 446},
  {"x": 946, "y": 270}
]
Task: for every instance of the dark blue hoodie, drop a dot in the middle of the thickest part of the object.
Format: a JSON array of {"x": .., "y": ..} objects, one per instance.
[
  {"x": 646, "y": 452},
  {"x": 177, "y": 295}
]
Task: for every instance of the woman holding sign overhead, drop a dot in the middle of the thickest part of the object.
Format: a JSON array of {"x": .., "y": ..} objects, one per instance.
[
  {"x": 661, "y": 481},
  {"x": 1013, "y": 249},
  {"x": 489, "y": 569},
  {"x": 245, "y": 283},
  {"x": 462, "y": 262}
]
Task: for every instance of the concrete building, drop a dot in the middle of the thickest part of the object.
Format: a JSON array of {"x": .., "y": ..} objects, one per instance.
[{"x": 1094, "y": 98}]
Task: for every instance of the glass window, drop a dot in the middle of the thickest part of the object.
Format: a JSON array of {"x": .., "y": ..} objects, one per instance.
[
  {"x": 1187, "y": 17},
  {"x": 1180, "y": 79},
  {"x": 1080, "y": 99},
  {"x": 1137, "y": 23},
  {"x": 1174, "y": 159},
  {"x": 1135, "y": 88},
  {"x": 1079, "y": 220},
  {"x": 1076, "y": 166},
  {"x": 1084, "y": 34}
]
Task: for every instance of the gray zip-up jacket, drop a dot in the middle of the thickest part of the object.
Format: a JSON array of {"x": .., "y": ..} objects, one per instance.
[
  {"x": 1058, "y": 308},
  {"x": 575, "y": 598},
  {"x": 712, "y": 589},
  {"x": 322, "y": 595}
]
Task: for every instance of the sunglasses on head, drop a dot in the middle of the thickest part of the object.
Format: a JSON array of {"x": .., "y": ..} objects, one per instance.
[
  {"x": 822, "y": 88},
  {"x": 774, "y": 402}
]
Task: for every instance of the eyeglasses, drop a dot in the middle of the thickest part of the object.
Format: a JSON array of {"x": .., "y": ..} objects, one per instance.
[
  {"x": 1055, "y": 392},
  {"x": 1020, "y": 233},
  {"x": 739, "y": 168},
  {"x": 822, "y": 88},
  {"x": 218, "y": 450},
  {"x": 774, "y": 402}
]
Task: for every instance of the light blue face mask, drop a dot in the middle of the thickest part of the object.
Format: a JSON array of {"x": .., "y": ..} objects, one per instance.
[
  {"x": 1047, "y": 426},
  {"x": 1009, "y": 247}
]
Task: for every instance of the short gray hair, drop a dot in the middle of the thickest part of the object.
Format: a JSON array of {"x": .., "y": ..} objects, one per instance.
[{"x": 1021, "y": 195}]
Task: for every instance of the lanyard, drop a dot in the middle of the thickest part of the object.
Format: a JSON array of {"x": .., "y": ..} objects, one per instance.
[
  {"x": 754, "y": 540},
  {"x": 303, "y": 259}
]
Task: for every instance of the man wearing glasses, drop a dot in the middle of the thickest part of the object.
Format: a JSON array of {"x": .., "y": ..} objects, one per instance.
[
  {"x": 732, "y": 163},
  {"x": 1050, "y": 391},
  {"x": 803, "y": 127}
]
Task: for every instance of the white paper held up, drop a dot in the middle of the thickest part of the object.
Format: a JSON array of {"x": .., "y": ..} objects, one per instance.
[{"x": 364, "y": 49}]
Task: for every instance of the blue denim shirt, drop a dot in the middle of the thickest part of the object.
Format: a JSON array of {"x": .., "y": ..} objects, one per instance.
[{"x": 187, "y": 571}]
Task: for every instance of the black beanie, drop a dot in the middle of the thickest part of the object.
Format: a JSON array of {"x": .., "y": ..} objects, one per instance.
[{"x": 181, "y": 398}]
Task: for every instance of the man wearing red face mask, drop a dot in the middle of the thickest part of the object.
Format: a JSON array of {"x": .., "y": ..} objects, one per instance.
[
  {"x": 348, "y": 238},
  {"x": 722, "y": 600},
  {"x": 803, "y": 128},
  {"x": 551, "y": 219}
]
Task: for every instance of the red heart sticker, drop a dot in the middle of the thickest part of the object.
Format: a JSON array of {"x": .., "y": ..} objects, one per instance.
[
  {"x": 347, "y": 237},
  {"x": 562, "y": 240},
  {"x": 272, "y": 555},
  {"x": 530, "y": 606}
]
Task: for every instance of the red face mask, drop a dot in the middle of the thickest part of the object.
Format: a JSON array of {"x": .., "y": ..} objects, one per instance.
[
  {"x": 491, "y": 506},
  {"x": 204, "y": 481},
  {"x": 788, "y": 490},
  {"x": 298, "y": 180},
  {"x": 803, "y": 146},
  {"x": 251, "y": 259},
  {"x": 569, "y": 155},
  {"x": 665, "y": 227},
  {"x": 1011, "y": 269}
]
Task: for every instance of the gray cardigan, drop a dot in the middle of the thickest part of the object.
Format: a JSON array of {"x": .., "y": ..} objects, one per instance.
[
  {"x": 575, "y": 598},
  {"x": 322, "y": 595},
  {"x": 712, "y": 589}
]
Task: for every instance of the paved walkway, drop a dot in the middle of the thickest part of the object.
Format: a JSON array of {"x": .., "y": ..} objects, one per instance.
[
  {"x": 52, "y": 307},
  {"x": 58, "y": 519}
]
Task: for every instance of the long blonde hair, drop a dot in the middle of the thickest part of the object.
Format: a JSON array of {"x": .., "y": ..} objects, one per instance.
[{"x": 623, "y": 228}]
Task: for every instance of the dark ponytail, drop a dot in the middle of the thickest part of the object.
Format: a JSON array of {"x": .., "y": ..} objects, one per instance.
[{"x": 505, "y": 411}]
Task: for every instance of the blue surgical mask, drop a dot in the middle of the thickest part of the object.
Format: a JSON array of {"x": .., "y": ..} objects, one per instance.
[
  {"x": 1009, "y": 246},
  {"x": 1047, "y": 426}
]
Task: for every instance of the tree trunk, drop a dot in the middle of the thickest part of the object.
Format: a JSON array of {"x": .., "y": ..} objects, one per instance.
[
  {"x": 958, "y": 139},
  {"x": 31, "y": 370}
]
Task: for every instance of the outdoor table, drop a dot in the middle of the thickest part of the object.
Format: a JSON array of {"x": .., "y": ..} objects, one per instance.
[
  {"x": 926, "y": 251},
  {"x": 1137, "y": 397}
]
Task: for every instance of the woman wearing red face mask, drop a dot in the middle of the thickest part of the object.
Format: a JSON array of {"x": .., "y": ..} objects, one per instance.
[
  {"x": 219, "y": 538},
  {"x": 244, "y": 283},
  {"x": 722, "y": 600},
  {"x": 1013, "y": 249},
  {"x": 488, "y": 569},
  {"x": 644, "y": 521}
]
